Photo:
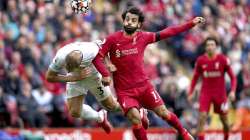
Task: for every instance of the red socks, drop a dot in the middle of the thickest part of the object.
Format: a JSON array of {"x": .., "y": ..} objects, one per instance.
[
  {"x": 201, "y": 136},
  {"x": 226, "y": 135},
  {"x": 139, "y": 132},
  {"x": 174, "y": 122}
]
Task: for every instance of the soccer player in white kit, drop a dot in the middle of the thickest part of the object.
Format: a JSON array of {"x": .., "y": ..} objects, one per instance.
[{"x": 75, "y": 59}]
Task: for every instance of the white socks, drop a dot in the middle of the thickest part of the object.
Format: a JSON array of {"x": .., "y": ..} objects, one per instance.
[{"x": 89, "y": 113}]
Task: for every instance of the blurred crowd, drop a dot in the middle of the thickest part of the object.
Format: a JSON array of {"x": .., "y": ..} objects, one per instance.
[{"x": 32, "y": 30}]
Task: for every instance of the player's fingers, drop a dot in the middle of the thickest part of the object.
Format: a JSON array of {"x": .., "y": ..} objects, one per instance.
[{"x": 86, "y": 71}]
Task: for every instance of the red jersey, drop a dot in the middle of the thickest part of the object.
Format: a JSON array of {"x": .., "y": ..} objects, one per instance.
[
  {"x": 127, "y": 52},
  {"x": 212, "y": 72}
]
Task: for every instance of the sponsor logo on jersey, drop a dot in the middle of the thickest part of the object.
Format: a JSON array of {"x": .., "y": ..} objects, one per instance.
[
  {"x": 211, "y": 74},
  {"x": 119, "y": 53}
]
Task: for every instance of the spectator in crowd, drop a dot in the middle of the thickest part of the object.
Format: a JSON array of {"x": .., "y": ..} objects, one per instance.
[{"x": 29, "y": 109}]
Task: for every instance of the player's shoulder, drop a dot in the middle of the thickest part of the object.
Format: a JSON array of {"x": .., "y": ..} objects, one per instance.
[
  {"x": 115, "y": 35},
  {"x": 145, "y": 33},
  {"x": 222, "y": 57},
  {"x": 201, "y": 58}
]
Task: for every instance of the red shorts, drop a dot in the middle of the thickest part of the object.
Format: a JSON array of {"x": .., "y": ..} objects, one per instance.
[
  {"x": 219, "y": 101},
  {"x": 144, "y": 96}
]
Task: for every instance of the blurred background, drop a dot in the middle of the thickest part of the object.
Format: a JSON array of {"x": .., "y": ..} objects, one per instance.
[{"x": 31, "y": 31}]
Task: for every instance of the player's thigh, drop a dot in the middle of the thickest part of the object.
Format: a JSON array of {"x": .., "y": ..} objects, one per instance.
[
  {"x": 127, "y": 101},
  {"x": 110, "y": 103},
  {"x": 133, "y": 115},
  {"x": 204, "y": 102},
  {"x": 75, "y": 96},
  {"x": 75, "y": 103},
  {"x": 221, "y": 105},
  {"x": 96, "y": 87},
  {"x": 150, "y": 98},
  {"x": 74, "y": 89},
  {"x": 100, "y": 92}
]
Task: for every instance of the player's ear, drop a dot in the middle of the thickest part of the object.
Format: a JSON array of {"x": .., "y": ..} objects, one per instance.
[{"x": 139, "y": 25}]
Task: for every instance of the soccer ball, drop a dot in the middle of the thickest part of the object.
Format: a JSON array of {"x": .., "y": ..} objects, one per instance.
[{"x": 80, "y": 6}]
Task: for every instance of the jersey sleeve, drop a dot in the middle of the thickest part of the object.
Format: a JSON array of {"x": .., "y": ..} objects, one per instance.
[
  {"x": 107, "y": 44},
  {"x": 98, "y": 61},
  {"x": 174, "y": 30},
  {"x": 227, "y": 63},
  {"x": 149, "y": 37},
  {"x": 56, "y": 64},
  {"x": 196, "y": 75},
  {"x": 230, "y": 72}
]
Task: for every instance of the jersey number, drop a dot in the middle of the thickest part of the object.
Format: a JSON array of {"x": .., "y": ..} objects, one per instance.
[
  {"x": 156, "y": 95},
  {"x": 101, "y": 90}
]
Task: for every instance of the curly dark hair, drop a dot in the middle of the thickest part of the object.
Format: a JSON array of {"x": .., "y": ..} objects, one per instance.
[
  {"x": 211, "y": 39},
  {"x": 134, "y": 10}
]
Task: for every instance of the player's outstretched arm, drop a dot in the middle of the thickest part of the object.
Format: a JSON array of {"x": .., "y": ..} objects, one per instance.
[
  {"x": 233, "y": 81},
  {"x": 52, "y": 76},
  {"x": 100, "y": 66},
  {"x": 174, "y": 30},
  {"x": 194, "y": 81}
]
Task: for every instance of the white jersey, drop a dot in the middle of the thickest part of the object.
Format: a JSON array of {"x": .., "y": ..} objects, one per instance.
[{"x": 88, "y": 49}]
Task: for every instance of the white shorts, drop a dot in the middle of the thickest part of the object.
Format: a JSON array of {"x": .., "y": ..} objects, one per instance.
[{"x": 92, "y": 84}]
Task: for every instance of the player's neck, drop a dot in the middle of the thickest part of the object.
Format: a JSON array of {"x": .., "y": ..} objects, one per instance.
[
  {"x": 211, "y": 55},
  {"x": 129, "y": 35}
]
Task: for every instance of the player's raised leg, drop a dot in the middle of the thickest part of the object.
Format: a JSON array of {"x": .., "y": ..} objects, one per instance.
[
  {"x": 172, "y": 119},
  {"x": 79, "y": 110},
  {"x": 134, "y": 117}
]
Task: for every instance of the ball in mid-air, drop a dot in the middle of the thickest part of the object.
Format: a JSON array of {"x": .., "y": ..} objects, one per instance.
[{"x": 80, "y": 6}]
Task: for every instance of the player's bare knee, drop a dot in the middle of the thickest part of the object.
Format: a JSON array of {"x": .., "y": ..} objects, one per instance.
[
  {"x": 161, "y": 111},
  {"x": 134, "y": 116}
]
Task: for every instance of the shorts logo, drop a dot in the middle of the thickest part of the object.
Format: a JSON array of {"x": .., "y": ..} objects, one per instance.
[{"x": 124, "y": 104}]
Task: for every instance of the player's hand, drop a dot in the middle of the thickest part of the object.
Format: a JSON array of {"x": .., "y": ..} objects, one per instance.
[
  {"x": 190, "y": 98},
  {"x": 80, "y": 75},
  {"x": 111, "y": 67},
  {"x": 106, "y": 81},
  {"x": 232, "y": 96},
  {"x": 86, "y": 72},
  {"x": 199, "y": 20}
]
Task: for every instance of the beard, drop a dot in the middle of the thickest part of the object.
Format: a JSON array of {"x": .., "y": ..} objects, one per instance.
[{"x": 129, "y": 30}]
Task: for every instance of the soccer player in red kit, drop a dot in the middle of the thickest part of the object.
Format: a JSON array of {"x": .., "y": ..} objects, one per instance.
[
  {"x": 211, "y": 67},
  {"x": 132, "y": 86}
]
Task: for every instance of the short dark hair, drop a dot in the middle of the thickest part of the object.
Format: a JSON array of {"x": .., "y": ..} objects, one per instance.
[
  {"x": 134, "y": 10},
  {"x": 211, "y": 39}
]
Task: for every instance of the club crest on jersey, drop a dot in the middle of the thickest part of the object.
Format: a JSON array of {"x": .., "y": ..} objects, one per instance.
[
  {"x": 217, "y": 65},
  {"x": 134, "y": 40},
  {"x": 118, "y": 53}
]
